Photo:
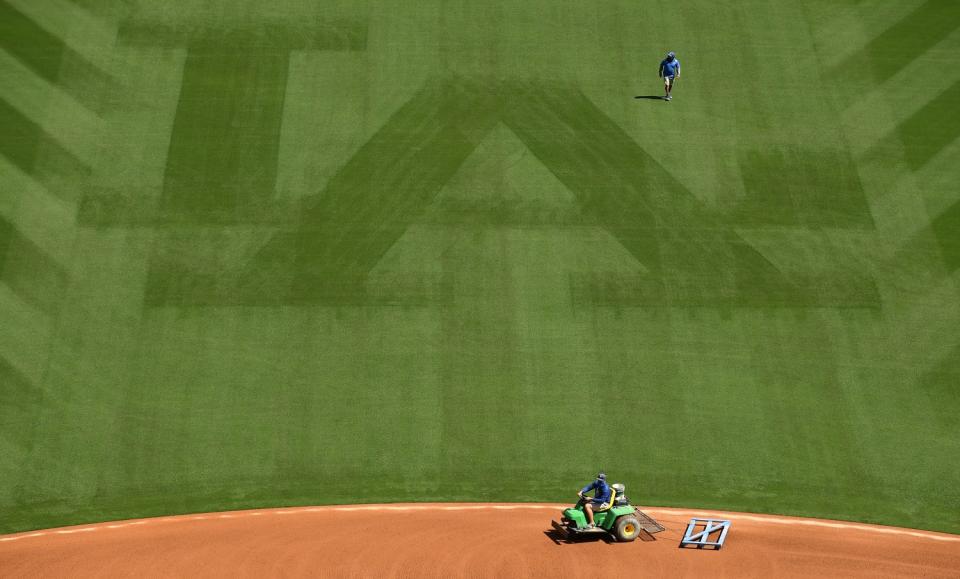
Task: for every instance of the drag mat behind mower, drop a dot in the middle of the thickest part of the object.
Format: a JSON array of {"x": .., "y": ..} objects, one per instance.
[{"x": 648, "y": 524}]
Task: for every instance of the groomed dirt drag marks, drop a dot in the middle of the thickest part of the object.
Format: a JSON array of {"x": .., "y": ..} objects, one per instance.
[{"x": 469, "y": 540}]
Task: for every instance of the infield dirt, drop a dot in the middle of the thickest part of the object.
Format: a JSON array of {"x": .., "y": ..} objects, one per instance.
[{"x": 464, "y": 540}]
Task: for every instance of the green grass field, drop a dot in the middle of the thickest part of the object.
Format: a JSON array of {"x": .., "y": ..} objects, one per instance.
[{"x": 292, "y": 252}]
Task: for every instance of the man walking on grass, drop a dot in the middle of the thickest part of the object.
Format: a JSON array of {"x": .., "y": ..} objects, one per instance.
[{"x": 669, "y": 72}]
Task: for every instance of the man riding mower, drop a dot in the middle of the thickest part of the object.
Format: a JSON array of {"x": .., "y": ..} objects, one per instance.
[{"x": 607, "y": 512}]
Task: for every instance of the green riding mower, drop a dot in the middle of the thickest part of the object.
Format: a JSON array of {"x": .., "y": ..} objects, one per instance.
[{"x": 619, "y": 519}]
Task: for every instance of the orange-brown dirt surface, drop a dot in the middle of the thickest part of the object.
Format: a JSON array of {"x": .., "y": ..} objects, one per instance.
[{"x": 465, "y": 540}]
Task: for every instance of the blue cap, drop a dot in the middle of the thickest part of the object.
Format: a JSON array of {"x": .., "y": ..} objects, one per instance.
[{"x": 671, "y": 54}]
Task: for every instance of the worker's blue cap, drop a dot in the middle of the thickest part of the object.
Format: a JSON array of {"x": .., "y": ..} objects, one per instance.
[{"x": 671, "y": 54}]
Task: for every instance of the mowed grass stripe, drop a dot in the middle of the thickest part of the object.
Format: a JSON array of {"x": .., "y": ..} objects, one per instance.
[
  {"x": 40, "y": 216},
  {"x": 222, "y": 161},
  {"x": 897, "y": 46},
  {"x": 37, "y": 153},
  {"x": 30, "y": 43},
  {"x": 932, "y": 128},
  {"x": 389, "y": 183},
  {"x": 947, "y": 229},
  {"x": 33, "y": 275},
  {"x": 75, "y": 26},
  {"x": 50, "y": 106},
  {"x": 24, "y": 342},
  {"x": 6, "y": 237},
  {"x": 49, "y": 57}
]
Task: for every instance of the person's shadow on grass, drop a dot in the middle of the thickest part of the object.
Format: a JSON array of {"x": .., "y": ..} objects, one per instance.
[{"x": 650, "y": 97}]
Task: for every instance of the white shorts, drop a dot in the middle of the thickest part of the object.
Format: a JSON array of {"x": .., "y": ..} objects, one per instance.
[{"x": 667, "y": 80}]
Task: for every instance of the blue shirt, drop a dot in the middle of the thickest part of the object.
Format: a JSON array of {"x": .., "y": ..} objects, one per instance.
[
  {"x": 669, "y": 68},
  {"x": 603, "y": 490}
]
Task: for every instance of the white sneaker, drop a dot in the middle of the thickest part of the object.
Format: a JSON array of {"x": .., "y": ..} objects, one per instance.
[{"x": 669, "y": 98}]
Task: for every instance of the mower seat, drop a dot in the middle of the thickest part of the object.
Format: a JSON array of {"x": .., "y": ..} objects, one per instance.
[{"x": 613, "y": 497}]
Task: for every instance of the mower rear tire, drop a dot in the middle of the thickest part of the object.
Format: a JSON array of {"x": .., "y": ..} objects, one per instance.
[{"x": 627, "y": 528}]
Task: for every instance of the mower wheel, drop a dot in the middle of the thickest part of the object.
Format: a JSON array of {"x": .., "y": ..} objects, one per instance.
[{"x": 627, "y": 528}]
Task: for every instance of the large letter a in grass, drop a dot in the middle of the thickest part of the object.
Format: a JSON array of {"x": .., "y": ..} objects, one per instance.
[
  {"x": 687, "y": 256},
  {"x": 375, "y": 198}
]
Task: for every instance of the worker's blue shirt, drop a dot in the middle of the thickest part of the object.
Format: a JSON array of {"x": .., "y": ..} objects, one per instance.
[
  {"x": 603, "y": 490},
  {"x": 670, "y": 67}
]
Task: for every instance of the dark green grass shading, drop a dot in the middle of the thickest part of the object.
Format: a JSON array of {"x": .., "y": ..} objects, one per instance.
[
  {"x": 30, "y": 43},
  {"x": 440, "y": 253},
  {"x": 899, "y": 45},
  {"x": 36, "y": 152},
  {"x": 223, "y": 151},
  {"x": 940, "y": 386},
  {"x": 32, "y": 274},
  {"x": 932, "y": 128},
  {"x": 50, "y": 58},
  {"x": 6, "y": 237},
  {"x": 947, "y": 229},
  {"x": 20, "y": 139},
  {"x": 320, "y": 35},
  {"x": 22, "y": 400},
  {"x": 800, "y": 188}
]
